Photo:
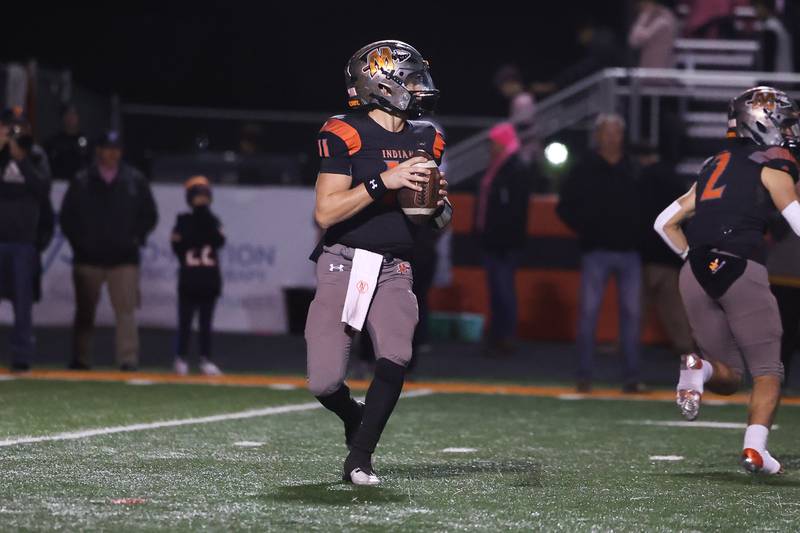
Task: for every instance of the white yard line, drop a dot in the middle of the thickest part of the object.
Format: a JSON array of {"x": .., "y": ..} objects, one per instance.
[
  {"x": 666, "y": 458},
  {"x": 240, "y": 415},
  {"x": 686, "y": 424}
]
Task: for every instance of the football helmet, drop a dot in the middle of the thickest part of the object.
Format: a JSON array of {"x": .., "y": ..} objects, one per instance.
[
  {"x": 767, "y": 116},
  {"x": 390, "y": 75}
]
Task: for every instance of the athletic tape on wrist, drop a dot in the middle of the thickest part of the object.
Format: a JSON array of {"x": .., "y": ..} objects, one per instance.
[{"x": 375, "y": 187}]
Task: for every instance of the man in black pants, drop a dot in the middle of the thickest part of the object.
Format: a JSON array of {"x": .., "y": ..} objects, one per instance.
[
  {"x": 196, "y": 239},
  {"x": 363, "y": 270}
]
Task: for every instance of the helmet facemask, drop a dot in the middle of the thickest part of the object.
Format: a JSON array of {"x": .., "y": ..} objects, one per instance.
[{"x": 424, "y": 95}]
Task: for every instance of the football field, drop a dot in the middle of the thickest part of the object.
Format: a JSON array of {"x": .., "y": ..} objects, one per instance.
[{"x": 123, "y": 453}]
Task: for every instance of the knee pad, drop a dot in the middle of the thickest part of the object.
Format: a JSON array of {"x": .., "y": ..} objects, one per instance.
[{"x": 390, "y": 371}]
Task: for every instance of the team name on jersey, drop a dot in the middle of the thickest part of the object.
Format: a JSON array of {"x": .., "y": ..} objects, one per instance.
[{"x": 397, "y": 154}]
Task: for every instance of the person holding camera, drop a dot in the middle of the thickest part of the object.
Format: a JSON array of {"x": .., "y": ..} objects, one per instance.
[{"x": 23, "y": 191}]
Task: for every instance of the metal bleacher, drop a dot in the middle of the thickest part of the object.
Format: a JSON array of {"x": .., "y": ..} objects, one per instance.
[{"x": 710, "y": 73}]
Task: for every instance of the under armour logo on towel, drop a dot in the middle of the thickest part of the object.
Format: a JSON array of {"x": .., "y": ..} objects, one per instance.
[
  {"x": 373, "y": 184},
  {"x": 339, "y": 268}
]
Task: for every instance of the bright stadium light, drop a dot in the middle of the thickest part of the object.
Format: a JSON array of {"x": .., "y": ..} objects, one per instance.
[{"x": 556, "y": 153}]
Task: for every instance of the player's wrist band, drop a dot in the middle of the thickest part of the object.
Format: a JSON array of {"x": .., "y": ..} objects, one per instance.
[{"x": 375, "y": 186}]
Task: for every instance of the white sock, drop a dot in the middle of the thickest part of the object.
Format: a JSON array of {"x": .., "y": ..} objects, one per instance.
[
  {"x": 694, "y": 378},
  {"x": 708, "y": 370},
  {"x": 755, "y": 437}
]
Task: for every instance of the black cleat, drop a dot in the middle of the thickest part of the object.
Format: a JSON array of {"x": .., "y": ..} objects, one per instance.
[
  {"x": 128, "y": 367},
  {"x": 351, "y": 429},
  {"x": 358, "y": 469}
]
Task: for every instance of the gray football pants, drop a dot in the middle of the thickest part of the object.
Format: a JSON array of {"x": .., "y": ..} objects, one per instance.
[
  {"x": 741, "y": 327},
  {"x": 390, "y": 322}
]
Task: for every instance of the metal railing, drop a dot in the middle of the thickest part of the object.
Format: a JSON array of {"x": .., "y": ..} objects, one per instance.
[{"x": 620, "y": 90}]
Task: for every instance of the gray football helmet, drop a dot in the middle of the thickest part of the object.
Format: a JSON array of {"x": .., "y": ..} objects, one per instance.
[
  {"x": 766, "y": 115},
  {"x": 390, "y": 75}
]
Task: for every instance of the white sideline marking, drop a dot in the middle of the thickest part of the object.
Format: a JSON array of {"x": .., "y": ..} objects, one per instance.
[
  {"x": 139, "y": 382},
  {"x": 4, "y": 377},
  {"x": 248, "y": 444},
  {"x": 686, "y": 424},
  {"x": 576, "y": 396},
  {"x": 666, "y": 458},
  {"x": 240, "y": 415},
  {"x": 283, "y": 386},
  {"x": 716, "y": 402},
  {"x": 460, "y": 450}
]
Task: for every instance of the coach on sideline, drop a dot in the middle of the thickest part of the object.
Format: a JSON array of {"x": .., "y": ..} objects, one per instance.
[{"x": 107, "y": 213}]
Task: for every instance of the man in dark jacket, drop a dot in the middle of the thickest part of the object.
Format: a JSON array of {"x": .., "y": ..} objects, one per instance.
[
  {"x": 599, "y": 202},
  {"x": 107, "y": 213},
  {"x": 23, "y": 191},
  {"x": 502, "y": 219}
]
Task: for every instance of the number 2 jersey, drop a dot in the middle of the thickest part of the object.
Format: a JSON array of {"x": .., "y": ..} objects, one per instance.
[
  {"x": 357, "y": 146},
  {"x": 732, "y": 206}
]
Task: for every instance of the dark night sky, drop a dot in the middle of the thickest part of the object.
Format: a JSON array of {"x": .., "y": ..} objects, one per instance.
[{"x": 253, "y": 56}]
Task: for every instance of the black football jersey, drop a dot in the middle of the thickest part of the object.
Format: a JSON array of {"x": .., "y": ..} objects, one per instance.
[
  {"x": 355, "y": 145},
  {"x": 732, "y": 206},
  {"x": 200, "y": 238}
]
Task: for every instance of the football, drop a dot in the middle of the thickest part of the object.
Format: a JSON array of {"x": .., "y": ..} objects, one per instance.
[{"x": 419, "y": 206}]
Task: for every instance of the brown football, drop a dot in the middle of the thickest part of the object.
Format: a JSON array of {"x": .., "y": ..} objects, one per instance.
[{"x": 419, "y": 206}]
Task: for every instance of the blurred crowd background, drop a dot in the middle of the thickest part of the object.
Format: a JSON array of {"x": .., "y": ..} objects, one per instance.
[{"x": 566, "y": 136}]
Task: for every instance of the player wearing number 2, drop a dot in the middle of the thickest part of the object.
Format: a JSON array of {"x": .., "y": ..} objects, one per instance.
[
  {"x": 195, "y": 240},
  {"x": 724, "y": 285}
]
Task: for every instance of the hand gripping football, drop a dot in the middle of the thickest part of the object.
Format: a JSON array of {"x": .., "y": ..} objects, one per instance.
[{"x": 419, "y": 206}]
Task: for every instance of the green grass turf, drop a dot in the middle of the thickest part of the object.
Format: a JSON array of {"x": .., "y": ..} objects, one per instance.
[{"x": 540, "y": 464}]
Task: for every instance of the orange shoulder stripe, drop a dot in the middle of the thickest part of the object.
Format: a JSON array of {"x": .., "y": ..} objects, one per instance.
[
  {"x": 345, "y": 132},
  {"x": 438, "y": 145}
]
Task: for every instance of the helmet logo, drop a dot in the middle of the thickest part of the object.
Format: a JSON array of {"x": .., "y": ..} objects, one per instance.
[
  {"x": 762, "y": 100},
  {"x": 383, "y": 60}
]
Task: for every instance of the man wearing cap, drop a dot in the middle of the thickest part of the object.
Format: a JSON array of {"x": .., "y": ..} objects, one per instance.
[
  {"x": 106, "y": 215},
  {"x": 22, "y": 191}
]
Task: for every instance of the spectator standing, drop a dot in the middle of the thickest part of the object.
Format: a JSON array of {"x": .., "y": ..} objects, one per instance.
[
  {"x": 653, "y": 35},
  {"x": 522, "y": 107},
  {"x": 68, "y": 150},
  {"x": 777, "y": 49},
  {"x": 599, "y": 201},
  {"x": 196, "y": 240},
  {"x": 106, "y": 215},
  {"x": 783, "y": 266},
  {"x": 659, "y": 186},
  {"x": 22, "y": 192},
  {"x": 502, "y": 219}
]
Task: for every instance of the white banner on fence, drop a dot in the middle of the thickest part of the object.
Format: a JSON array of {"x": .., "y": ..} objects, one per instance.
[{"x": 270, "y": 233}]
